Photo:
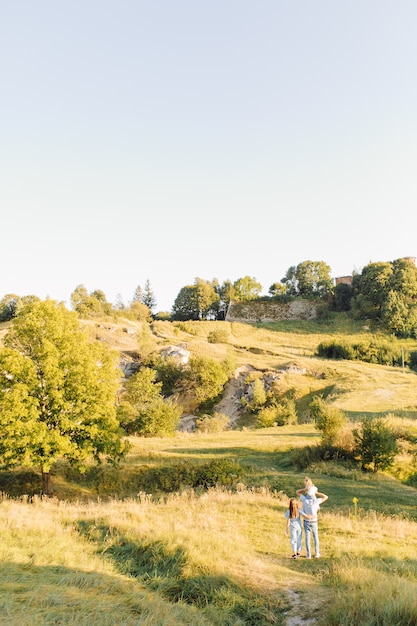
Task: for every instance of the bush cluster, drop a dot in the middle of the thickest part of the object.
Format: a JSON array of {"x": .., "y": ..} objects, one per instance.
[
  {"x": 278, "y": 413},
  {"x": 379, "y": 351},
  {"x": 216, "y": 423},
  {"x": 223, "y": 472},
  {"x": 373, "y": 443},
  {"x": 310, "y": 455}
]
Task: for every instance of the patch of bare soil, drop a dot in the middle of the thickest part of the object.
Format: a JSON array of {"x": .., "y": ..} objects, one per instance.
[{"x": 296, "y": 615}]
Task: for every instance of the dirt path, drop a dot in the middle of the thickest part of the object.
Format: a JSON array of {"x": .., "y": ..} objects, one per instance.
[{"x": 295, "y": 616}]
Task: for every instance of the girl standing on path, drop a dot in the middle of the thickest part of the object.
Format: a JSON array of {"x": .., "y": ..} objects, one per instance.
[{"x": 293, "y": 525}]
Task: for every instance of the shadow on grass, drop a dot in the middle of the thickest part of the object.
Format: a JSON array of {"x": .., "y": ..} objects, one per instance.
[
  {"x": 241, "y": 451},
  {"x": 259, "y": 467},
  {"x": 20, "y": 482},
  {"x": 33, "y": 594},
  {"x": 190, "y": 468},
  {"x": 357, "y": 416},
  {"x": 167, "y": 571}
]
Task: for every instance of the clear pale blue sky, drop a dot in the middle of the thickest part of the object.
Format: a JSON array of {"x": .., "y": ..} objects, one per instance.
[{"x": 174, "y": 139}]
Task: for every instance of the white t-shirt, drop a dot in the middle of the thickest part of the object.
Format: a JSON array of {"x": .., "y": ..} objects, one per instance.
[
  {"x": 294, "y": 521},
  {"x": 311, "y": 506}
]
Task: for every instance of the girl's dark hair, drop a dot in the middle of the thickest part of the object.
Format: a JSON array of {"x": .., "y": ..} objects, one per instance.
[{"x": 293, "y": 507}]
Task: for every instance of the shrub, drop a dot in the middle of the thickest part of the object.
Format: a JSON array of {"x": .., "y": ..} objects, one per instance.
[
  {"x": 277, "y": 413},
  {"x": 379, "y": 351},
  {"x": 328, "y": 419},
  {"x": 412, "y": 360},
  {"x": 376, "y": 444},
  {"x": 266, "y": 417},
  {"x": 335, "y": 350},
  {"x": 222, "y": 472},
  {"x": 218, "y": 472},
  {"x": 169, "y": 373},
  {"x": 212, "y": 423},
  {"x": 259, "y": 396},
  {"x": 205, "y": 378},
  {"x": 309, "y": 456},
  {"x": 412, "y": 480},
  {"x": 344, "y": 439},
  {"x": 143, "y": 410},
  {"x": 287, "y": 412},
  {"x": 218, "y": 335},
  {"x": 169, "y": 479},
  {"x": 160, "y": 419}
]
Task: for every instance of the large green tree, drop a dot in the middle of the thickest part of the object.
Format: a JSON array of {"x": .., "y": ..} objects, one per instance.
[
  {"x": 226, "y": 293},
  {"x": 197, "y": 302},
  {"x": 387, "y": 292},
  {"x": 246, "y": 289},
  {"x": 57, "y": 392},
  {"x": 309, "y": 279},
  {"x": 207, "y": 297},
  {"x": 9, "y": 305},
  {"x": 371, "y": 288},
  {"x": 404, "y": 278},
  {"x": 185, "y": 305},
  {"x": 277, "y": 289}
]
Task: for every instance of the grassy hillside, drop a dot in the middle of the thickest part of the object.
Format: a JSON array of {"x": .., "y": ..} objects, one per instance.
[
  {"x": 111, "y": 549},
  {"x": 358, "y": 388}
]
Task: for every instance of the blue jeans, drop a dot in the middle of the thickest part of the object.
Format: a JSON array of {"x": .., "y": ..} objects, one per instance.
[
  {"x": 295, "y": 537},
  {"x": 311, "y": 528}
]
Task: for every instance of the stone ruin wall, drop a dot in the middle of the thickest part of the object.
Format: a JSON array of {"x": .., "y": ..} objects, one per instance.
[{"x": 271, "y": 311}]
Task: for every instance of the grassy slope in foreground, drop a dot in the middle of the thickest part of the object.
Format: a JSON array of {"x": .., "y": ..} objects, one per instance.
[{"x": 219, "y": 558}]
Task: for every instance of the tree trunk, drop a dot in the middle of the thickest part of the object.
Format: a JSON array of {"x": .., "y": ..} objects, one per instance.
[{"x": 46, "y": 484}]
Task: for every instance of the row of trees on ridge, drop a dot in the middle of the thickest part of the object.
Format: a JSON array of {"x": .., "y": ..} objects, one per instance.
[{"x": 384, "y": 293}]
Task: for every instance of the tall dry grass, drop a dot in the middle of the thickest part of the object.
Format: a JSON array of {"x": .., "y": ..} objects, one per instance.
[{"x": 218, "y": 558}]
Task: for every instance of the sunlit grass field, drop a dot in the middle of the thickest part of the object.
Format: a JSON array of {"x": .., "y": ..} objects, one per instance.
[
  {"x": 217, "y": 556},
  {"x": 108, "y": 551}
]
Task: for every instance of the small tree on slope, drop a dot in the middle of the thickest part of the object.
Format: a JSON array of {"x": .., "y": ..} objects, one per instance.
[{"x": 376, "y": 444}]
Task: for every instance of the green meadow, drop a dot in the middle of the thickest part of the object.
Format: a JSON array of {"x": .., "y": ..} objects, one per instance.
[{"x": 139, "y": 544}]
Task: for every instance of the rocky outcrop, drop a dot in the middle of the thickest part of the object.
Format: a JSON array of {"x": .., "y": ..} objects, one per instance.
[
  {"x": 179, "y": 353},
  {"x": 237, "y": 394},
  {"x": 269, "y": 311}
]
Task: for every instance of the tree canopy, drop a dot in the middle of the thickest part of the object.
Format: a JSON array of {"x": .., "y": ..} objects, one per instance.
[
  {"x": 57, "y": 392},
  {"x": 198, "y": 301},
  {"x": 143, "y": 410},
  {"x": 387, "y": 293},
  {"x": 246, "y": 289},
  {"x": 11, "y": 303},
  {"x": 309, "y": 279},
  {"x": 90, "y": 304}
]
